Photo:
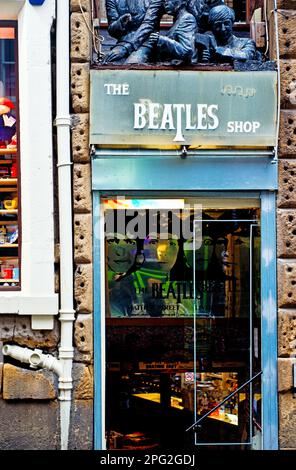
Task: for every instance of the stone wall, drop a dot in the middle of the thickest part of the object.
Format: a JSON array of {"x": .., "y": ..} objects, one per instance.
[
  {"x": 286, "y": 222},
  {"x": 81, "y": 432}
]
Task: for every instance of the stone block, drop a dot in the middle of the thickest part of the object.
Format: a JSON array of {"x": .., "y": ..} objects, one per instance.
[
  {"x": 7, "y": 324},
  {"x": 83, "y": 288},
  {"x": 287, "y": 139},
  {"x": 81, "y": 425},
  {"x": 285, "y": 374},
  {"x": 29, "y": 425},
  {"x": 83, "y": 238},
  {"x": 80, "y": 88},
  {"x": 286, "y": 283},
  {"x": 286, "y": 233},
  {"x": 80, "y": 37},
  {"x": 18, "y": 329},
  {"x": 25, "y": 336},
  {"x": 287, "y": 333},
  {"x": 287, "y": 420},
  {"x": 83, "y": 357},
  {"x": 83, "y": 382},
  {"x": 22, "y": 384},
  {"x": 287, "y": 183},
  {"x": 76, "y": 5},
  {"x": 83, "y": 332},
  {"x": 82, "y": 188},
  {"x": 288, "y": 83},
  {"x": 287, "y": 33},
  {"x": 80, "y": 139}
]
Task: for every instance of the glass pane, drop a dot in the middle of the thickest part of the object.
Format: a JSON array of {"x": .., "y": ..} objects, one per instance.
[
  {"x": 227, "y": 302},
  {"x": 178, "y": 326},
  {"x": 9, "y": 217}
]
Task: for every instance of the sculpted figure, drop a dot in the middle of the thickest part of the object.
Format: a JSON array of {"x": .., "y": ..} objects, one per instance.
[
  {"x": 200, "y": 9},
  {"x": 131, "y": 22},
  {"x": 224, "y": 45},
  {"x": 177, "y": 44}
]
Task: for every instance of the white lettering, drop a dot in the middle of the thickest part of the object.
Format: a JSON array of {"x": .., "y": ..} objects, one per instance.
[
  {"x": 153, "y": 115},
  {"x": 179, "y": 136},
  {"x": 211, "y": 113},
  {"x": 125, "y": 89},
  {"x": 117, "y": 88},
  {"x": 189, "y": 126},
  {"x": 167, "y": 117},
  {"x": 243, "y": 126},
  {"x": 202, "y": 116},
  {"x": 139, "y": 116}
]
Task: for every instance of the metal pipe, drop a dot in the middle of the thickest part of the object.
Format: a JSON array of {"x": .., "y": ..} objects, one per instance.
[{"x": 63, "y": 123}]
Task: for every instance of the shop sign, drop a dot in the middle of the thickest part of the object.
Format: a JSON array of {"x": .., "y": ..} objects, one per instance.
[{"x": 166, "y": 107}]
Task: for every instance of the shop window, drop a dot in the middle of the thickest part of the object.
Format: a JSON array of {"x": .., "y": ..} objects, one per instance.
[
  {"x": 9, "y": 159},
  {"x": 183, "y": 318}
]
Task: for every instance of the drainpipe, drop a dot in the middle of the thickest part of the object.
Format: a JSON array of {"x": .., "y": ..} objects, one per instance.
[{"x": 63, "y": 123}]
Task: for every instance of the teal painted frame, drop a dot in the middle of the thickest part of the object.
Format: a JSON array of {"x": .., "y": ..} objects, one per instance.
[{"x": 268, "y": 272}]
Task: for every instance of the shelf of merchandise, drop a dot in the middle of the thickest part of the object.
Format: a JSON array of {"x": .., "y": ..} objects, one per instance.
[
  {"x": 7, "y": 181},
  {"x": 9, "y": 245},
  {"x": 8, "y": 211},
  {"x": 7, "y": 151}
]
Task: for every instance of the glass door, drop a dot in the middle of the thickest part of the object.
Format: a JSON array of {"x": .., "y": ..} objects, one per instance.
[
  {"x": 227, "y": 327},
  {"x": 182, "y": 320}
]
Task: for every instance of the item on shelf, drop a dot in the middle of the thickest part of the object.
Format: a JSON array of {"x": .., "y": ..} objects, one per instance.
[
  {"x": 7, "y": 272},
  {"x": 15, "y": 273},
  {"x": 13, "y": 236},
  {"x": 11, "y": 203},
  {"x": 7, "y": 122},
  {"x": 2, "y": 235},
  {"x": 13, "y": 170},
  {"x": 4, "y": 172},
  {"x": 13, "y": 142}
]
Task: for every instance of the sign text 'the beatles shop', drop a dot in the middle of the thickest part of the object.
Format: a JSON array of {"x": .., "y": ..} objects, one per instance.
[{"x": 203, "y": 109}]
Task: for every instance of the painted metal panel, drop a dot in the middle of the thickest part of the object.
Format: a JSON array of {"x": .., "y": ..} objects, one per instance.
[
  {"x": 269, "y": 322},
  {"x": 193, "y": 173},
  {"x": 99, "y": 366},
  {"x": 167, "y": 107}
]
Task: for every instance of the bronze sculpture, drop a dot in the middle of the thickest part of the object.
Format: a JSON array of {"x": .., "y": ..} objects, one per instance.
[
  {"x": 136, "y": 24},
  {"x": 176, "y": 45},
  {"x": 224, "y": 45}
]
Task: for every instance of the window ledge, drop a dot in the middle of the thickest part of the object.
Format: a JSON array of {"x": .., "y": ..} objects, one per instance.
[{"x": 20, "y": 304}]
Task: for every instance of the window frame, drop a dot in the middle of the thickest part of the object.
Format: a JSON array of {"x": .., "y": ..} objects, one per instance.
[
  {"x": 14, "y": 24},
  {"x": 37, "y": 296}
]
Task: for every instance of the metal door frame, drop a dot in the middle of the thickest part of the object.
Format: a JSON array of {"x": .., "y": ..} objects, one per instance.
[{"x": 185, "y": 184}]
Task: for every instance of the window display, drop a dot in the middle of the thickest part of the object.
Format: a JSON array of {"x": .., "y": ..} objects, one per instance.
[
  {"x": 182, "y": 319},
  {"x": 9, "y": 188}
]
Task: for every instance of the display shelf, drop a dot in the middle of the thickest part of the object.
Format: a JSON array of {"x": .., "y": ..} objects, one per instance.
[
  {"x": 8, "y": 280},
  {"x": 8, "y": 151},
  {"x": 8, "y": 222},
  {"x": 7, "y": 181},
  {"x": 8, "y": 211}
]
